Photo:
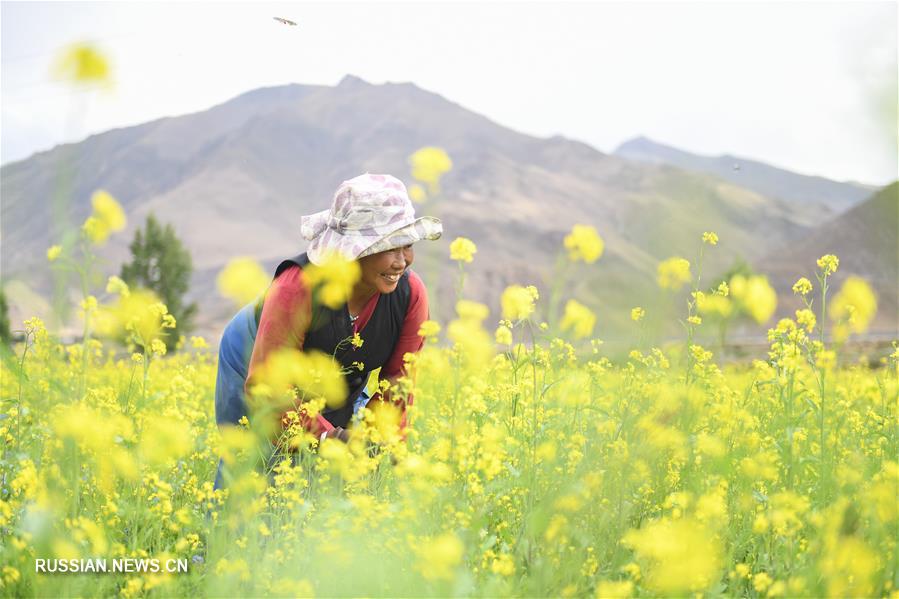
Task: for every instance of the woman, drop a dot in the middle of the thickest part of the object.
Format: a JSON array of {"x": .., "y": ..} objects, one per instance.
[{"x": 372, "y": 221}]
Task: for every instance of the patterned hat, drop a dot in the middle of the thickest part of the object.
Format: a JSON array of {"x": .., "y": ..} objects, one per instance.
[{"x": 369, "y": 214}]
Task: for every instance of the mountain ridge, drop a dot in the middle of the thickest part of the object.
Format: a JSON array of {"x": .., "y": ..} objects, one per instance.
[
  {"x": 833, "y": 196},
  {"x": 235, "y": 179}
]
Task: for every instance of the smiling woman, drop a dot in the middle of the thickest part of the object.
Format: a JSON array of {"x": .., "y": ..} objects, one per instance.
[{"x": 372, "y": 223}]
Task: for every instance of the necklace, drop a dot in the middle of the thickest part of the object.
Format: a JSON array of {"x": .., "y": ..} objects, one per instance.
[{"x": 353, "y": 318}]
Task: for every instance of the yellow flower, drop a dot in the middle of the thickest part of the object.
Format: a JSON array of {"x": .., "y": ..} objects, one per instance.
[
  {"x": 715, "y": 304},
  {"x": 82, "y": 64},
  {"x": 314, "y": 373},
  {"x": 696, "y": 320},
  {"x": 612, "y": 589},
  {"x": 637, "y": 314},
  {"x": 439, "y": 556},
  {"x": 429, "y": 329},
  {"x": 517, "y": 302},
  {"x": 95, "y": 230},
  {"x": 117, "y": 286},
  {"x": 826, "y": 359},
  {"x": 503, "y": 335},
  {"x": 164, "y": 441},
  {"x": 463, "y": 249},
  {"x": 429, "y": 164},
  {"x": 761, "y": 581},
  {"x": 855, "y": 303},
  {"x": 755, "y": 295},
  {"x": 723, "y": 290},
  {"x": 584, "y": 243},
  {"x": 53, "y": 252},
  {"x": 106, "y": 218},
  {"x": 418, "y": 194},
  {"x": 682, "y": 555},
  {"x": 472, "y": 311},
  {"x": 579, "y": 319},
  {"x": 107, "y": 209},
  {"x": 242, "y": 280},
  {"x": 503, "y": 564},
  {"x": 198, "y": 342},
  {"x": 710, "y": 238},
  {"x": 828, "y": 264},
  {"x": 333, "y": 280},
  {"x": 806, "y": 319},
  {"x": 157, "y": 347},
  {"x": 802, "y": 287},
  {"x": 673, "y": 273}
]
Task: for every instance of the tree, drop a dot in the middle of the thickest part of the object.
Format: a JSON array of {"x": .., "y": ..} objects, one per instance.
[
  {"x": 161, "y": 263},
  {"x": 5, "y": 333}
]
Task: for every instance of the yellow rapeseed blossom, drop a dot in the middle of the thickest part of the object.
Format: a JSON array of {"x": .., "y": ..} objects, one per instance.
[
  {"x": 139, "y": 314},
  {"x": 418, "y": 194},
  {"x": 855, "y": 303},
  {"x": 116, "y": 285},
  {"x": 503, "y": 335},
  {"x": 755, "y": 295},
  {"x": 715, "y": 304},
  {"x": 439, "y": 556},
  {"x": 710, "y": 238},
  {"x": 242, "y": 280},
  {"x": 107, "y": 209},
  {"x": 332, "y": 281},
  {"x": 802, "y": 287},
  {"x": 314, "y": 373},
  {"x": 517, "y": 302},
  {"x": 429, "y": 329},
  {"x": 682, "y": 556},
  {"x": 637, "y": 314},
  {"x": 164, "y": 441},
  {"x": 82, "y": 63},
  {"x": 473, "y": 311},
  {"x": 503, "y": 564},
  {"x": 429, "y": 164},
  {"x": 828, "y": 264},
  {"x": 463, "y": 249},
  {"x": 53, "y": 252},
  {"x": 107, "y": 217},
  {"x": 579, "y": 319},
  {"x": 614, "y": 589},
  {"x": 805, "y": 318},
  {"x": 673, "y": 273},
  {"x": 761, "y": 582},
  {"x": 584, "y": 243}
]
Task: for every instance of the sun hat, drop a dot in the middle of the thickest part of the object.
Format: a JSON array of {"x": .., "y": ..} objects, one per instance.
[{"x": 369, "y": 214}]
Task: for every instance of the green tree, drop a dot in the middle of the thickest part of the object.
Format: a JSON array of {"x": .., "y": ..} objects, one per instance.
[
  {"x": 5, "y": 333},
  {"x": 161, "y": 263}
]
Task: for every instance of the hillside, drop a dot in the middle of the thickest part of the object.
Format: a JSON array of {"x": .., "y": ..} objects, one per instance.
[{"x": 235, "y": 179}]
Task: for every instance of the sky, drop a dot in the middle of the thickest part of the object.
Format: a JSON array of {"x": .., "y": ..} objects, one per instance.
[{"x": 807, "y": 86}]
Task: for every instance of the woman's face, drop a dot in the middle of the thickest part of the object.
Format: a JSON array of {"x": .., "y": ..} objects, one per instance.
[{"x": 381, "y": 272}]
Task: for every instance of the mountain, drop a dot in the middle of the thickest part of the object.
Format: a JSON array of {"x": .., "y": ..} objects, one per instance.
[
  {"x": 864, "y": 239},
  {"x": 831, "y": 197},
  {"x": 235, "y": 179}
]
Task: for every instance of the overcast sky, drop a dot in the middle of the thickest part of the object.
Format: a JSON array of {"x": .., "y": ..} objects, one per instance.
[{"x": 798, "y": 85}]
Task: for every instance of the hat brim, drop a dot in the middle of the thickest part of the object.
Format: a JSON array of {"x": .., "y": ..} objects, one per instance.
[{"x": 353, "y": 247}]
